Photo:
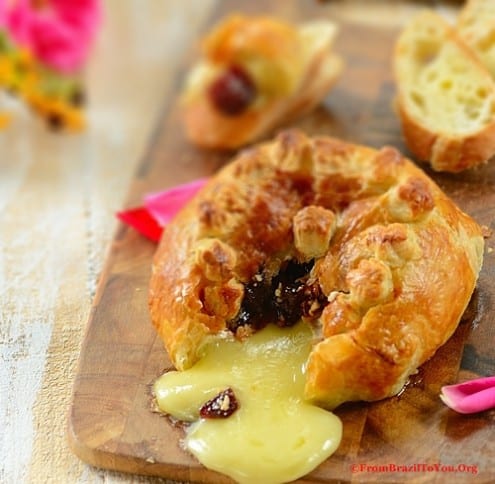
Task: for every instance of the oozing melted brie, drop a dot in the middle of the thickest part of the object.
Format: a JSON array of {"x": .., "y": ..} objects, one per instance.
[{"x": 274, "y": 436}]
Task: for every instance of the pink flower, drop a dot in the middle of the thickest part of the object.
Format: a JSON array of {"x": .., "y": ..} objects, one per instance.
[
  {"x": 59, "y": 33},
  {"x": 471, "y": 396}
]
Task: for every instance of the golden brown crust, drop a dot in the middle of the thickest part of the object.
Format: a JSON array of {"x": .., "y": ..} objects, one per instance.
[
  {"x": 239, "y": 37},
  {"x": 293, "y": 69},
  {"x": 446, "y": 152},
  {"x": 399, "y": 266}
]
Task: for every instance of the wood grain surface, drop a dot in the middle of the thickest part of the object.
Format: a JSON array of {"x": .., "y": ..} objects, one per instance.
[{"x": 111, "y": 423}]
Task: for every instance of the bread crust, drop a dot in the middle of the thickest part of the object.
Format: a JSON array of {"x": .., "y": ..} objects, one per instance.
[
  {"x": 444, "y": 151},
  {"x": 396, "y": 260},
  {"x": 445, "y": 148},
  {"x": 302, "y": 53}
]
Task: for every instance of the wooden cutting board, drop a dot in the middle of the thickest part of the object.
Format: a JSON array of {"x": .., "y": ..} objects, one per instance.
[{"x": 409, "y": 438}]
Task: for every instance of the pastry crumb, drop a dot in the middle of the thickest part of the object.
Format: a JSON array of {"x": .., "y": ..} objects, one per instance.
[{"x": 486, "y": 231}]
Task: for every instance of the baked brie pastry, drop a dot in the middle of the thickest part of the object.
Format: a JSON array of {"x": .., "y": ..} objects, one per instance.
[
  {"x": 256, "y": 73},
  {"x": 358, "y": 243}
]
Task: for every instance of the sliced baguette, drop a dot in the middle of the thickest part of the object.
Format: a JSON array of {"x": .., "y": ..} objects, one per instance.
[
  {"x": 476, "y": 24},
  {"x": 445, "y": 98},
  {"x": 320, "y": 67}
]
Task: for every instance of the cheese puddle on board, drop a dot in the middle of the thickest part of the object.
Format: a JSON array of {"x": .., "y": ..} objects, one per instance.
[{"x": 274, "y": 436}]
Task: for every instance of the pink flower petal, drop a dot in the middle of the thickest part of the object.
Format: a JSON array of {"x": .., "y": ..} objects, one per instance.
[
  {"x": 3, "y": 13},
  {"x": 140, "y": 219},
  {"x": 56, "y": 44},
  {"x": 164, "y": 205},
  {"x": 83, "y": 15},
  {"x": 18, "y": 20},
  {"x": 471, "y": 396},
  {"x": 159, "y": 209}
]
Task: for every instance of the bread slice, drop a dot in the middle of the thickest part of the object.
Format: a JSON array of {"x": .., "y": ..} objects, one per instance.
[
  {"x": 446, "y": 97},
  {"x": 476, "y": 25},
  {"x": 294, "y": 72}
]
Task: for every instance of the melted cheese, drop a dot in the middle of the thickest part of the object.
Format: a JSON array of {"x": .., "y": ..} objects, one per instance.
[{"x": 275, "y": 436}]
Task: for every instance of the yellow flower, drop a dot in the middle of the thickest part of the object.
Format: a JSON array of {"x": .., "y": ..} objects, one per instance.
[
  {"x": 58, "y": 113},
  {"x": 5, "y": 119},
  {"x": 6, "y": 71},
  {"x": 52, "y": 97}
]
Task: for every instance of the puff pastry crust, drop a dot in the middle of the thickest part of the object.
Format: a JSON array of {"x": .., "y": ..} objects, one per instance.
[
  {"x": 391, "y": 259},
  {"x": 292, "y": 66}
]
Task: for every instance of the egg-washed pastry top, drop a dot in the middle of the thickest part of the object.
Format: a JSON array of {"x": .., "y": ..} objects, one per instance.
[{"x": 359, "y": 243}]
